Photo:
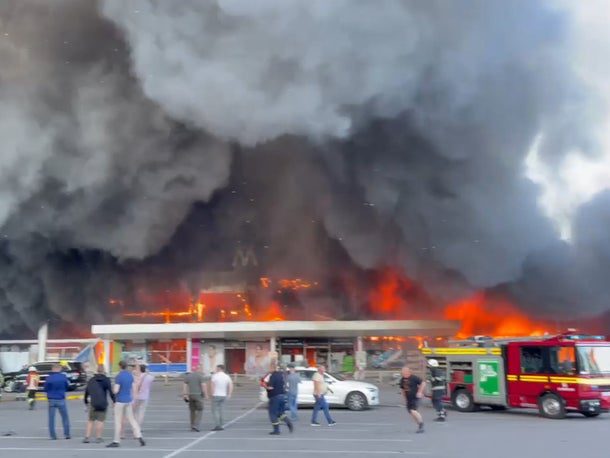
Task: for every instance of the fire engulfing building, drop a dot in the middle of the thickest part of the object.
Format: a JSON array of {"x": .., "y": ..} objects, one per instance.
[{"x": 249, "y": 346}]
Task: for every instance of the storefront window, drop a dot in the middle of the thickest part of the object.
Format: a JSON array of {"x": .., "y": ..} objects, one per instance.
[{"x": 167, "y": 352}]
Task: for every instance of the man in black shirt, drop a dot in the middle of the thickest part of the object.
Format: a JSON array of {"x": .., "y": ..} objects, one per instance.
[
  {"x": 275, "y": 384},
  {"x": 413, "y": 389}
]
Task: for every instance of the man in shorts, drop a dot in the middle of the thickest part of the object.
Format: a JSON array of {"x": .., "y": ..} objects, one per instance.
[
  {"x": 96, "y": 397},
  {"x": 413, "y": 389}
]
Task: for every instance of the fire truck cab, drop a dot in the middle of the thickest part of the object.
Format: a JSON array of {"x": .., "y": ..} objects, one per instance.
[{"x": 555, "y": 374}]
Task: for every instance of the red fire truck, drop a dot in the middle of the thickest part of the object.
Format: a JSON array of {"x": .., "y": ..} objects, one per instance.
[{"x": 556, "y": 374}]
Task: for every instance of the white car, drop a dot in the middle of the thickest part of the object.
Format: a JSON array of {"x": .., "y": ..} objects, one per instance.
[{"x": 349, "y": 393}]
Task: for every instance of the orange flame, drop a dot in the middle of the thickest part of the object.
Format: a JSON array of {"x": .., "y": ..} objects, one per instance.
[
  {"x": 480, "y": 315},
  {"x": 389, "y": 297},
  {"x": 273, "y": 313}
]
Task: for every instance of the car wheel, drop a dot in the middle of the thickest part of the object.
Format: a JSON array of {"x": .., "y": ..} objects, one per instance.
[
  {"x": 590, "y": 414},
  {"x": 462, "y": 400},
  {"x": 551, "y": 406},
  {"x": 356, "y": 401}
]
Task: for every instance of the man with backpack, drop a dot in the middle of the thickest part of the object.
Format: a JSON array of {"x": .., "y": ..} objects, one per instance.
[{"x": 96, "y": 397}]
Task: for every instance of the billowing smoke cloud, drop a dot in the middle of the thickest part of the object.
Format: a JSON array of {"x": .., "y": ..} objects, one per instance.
[{"x": 143, "y": 140}]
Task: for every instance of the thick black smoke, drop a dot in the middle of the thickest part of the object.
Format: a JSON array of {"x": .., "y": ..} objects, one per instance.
[{"x": 144, "y": 141}]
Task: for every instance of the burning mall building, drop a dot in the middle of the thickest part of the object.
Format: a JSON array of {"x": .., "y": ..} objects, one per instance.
[
  {"x": 232, "y": 162},
  {"x": 239, "y": 318}
]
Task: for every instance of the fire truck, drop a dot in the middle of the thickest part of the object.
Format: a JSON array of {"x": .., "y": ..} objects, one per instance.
[{"x": 557, "y": 374}]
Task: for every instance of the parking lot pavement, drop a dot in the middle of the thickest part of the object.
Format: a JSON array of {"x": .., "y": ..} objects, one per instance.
[{"x": 383, "y": 431}]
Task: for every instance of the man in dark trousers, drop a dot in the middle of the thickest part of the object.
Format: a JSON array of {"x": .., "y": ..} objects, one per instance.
[
  {"x": 194, "y": 391},
  {"x": 437, "y": 380},
  {"x": 56, "y": 386},
  {"x": 413, "y": 389},
  {"x": 97, "y": 391},
  {"x": 275, "y": 384}
]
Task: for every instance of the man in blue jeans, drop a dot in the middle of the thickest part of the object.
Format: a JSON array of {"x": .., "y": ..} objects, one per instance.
[
  {"x": 56, "y": 386},
  {"x": 320, "y": 388},
  {"x": 293, "y": 381},
  {"x": 275, "y": 384}
]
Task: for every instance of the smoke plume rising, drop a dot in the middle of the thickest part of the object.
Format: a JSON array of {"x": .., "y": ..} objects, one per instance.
[{"x": 144, "y": 141}]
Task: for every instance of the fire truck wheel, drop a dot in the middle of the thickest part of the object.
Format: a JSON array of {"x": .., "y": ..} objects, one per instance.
[
  {"x": 551, "y": 406},
  {"x": 462, "y": 400},
  {"x": 590, "y": 414}
]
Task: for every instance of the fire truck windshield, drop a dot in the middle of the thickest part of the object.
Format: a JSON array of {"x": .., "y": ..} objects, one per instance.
[{"x": 593, "y": 360}]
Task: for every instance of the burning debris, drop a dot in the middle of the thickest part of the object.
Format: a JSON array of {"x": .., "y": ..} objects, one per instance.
[{"x": 151, "y": 152}]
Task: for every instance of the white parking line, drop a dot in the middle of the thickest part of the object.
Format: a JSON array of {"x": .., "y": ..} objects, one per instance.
[
  {"x": 205, "y": 436},
  {"x": 225, "y": 451},
  {"x": 291, "y": 451},
  {"x": 308, "y": 439},
  {"x": 47, "y": 438},
  {"x": 338, "y": 429}
]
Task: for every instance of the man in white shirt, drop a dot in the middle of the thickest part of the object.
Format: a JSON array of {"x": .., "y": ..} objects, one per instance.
[{"x": 222, "y": 388}]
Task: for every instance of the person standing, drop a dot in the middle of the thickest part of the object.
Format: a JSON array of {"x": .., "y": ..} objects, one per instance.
[
  {"x": 222, "y": 389},
  {"x": 293, "y": 381},
  {"x": 320, "y": 388},
  {"x": 123, "y": 389},
  {"x": 275, "y": 384},
  {"x": 348, "y": 364},
  {"x": 142, "y": 395},
  {"x": 413, "y": 389},
  {"x": 437, "y": 381},
  {"x": 31, "y": 382},
  {"x": 96, "y": 398},
  {"x": 194, "y": 392},
  {"x": 56, "y": 386}
]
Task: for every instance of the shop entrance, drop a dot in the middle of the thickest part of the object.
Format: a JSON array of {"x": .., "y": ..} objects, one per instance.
[{"x": 236, "y": 360}]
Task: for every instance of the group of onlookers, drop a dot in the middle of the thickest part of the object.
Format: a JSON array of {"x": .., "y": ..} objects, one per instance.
[
  {"x": 283, "y": 392},
  {"x": 131, "y": 390},
  {"x": 195, "y": 390},
  {"x": 129, "y": 394}
]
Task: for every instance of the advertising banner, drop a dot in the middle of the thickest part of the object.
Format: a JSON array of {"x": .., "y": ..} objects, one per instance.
[
  {"x": 257, "y": 358},
  {"x": 212, "y": 354},
  {"x": 195, "y": 353}
]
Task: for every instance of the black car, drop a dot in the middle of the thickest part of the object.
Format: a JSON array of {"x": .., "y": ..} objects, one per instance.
[{"x": 16, "y": 381}]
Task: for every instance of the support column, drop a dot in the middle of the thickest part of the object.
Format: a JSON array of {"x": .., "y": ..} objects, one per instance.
[
  {"x": 107, "y": 356},
  {"x": 360, "y": 359},
  {"x": 189, "y": 354},
  {"x": 273, "y": 356},
  {"x": 43, "y": 334}
]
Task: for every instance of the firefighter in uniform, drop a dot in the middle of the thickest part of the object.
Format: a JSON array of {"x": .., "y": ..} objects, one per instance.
[
  {"x": 275, "y": 384},
  {"x": 32, "y": 380},
  {"x": 437, "y": 381}
]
